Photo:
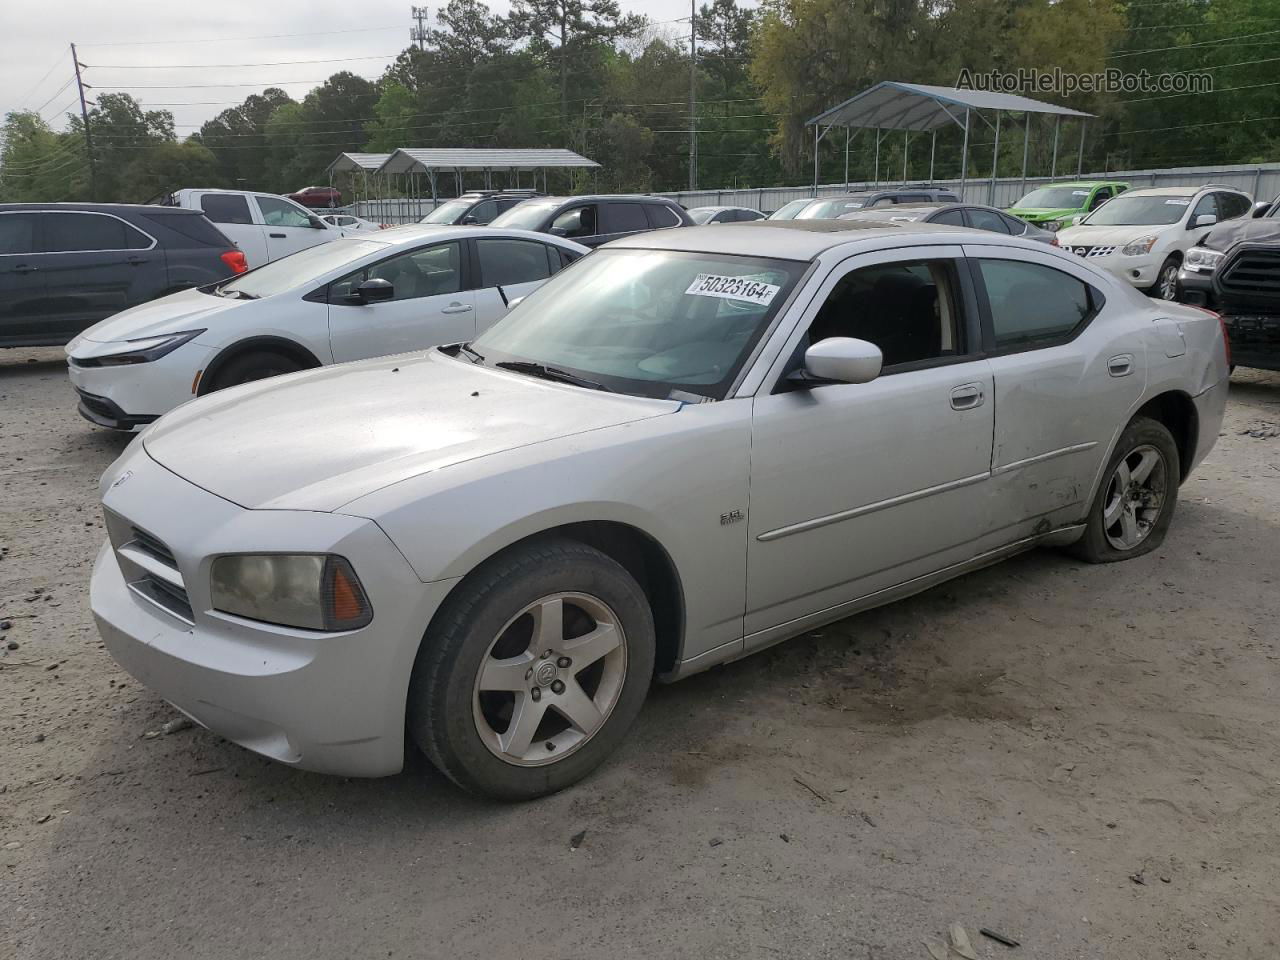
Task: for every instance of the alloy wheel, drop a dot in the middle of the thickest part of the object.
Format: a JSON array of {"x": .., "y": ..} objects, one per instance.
[
  {"x": 1135, "y": 496},
  {"x": 1168, "y": 284},
  {"x": 550, "y": 679}
]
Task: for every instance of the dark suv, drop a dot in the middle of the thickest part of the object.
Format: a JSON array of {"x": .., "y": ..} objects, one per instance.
[
  {"x": 592, "y": 221},
  {"x": 478, "y": 207},
  {"x": 1195, "y": 276},
  {"x": 65, "y": 266}
]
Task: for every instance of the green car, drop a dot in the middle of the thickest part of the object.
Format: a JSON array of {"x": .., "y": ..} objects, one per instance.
[{"x": 1062, "y": 204}]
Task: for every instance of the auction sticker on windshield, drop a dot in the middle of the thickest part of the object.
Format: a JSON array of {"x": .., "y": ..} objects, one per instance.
[{"x": 733, "y": 288}]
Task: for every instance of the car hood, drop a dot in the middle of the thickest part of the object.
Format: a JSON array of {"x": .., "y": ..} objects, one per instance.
[
  {"x": 1228, "y": 234},
  {"x": 321, "y": 438},
  {"x": 1106, "y": 236},
  {"x": 175, "y": 313}
]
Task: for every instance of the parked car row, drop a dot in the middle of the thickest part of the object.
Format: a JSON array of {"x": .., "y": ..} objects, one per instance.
[{"x": 686, "y": 447}]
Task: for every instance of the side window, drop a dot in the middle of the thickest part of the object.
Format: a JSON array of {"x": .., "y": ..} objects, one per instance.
[
  {"x": 226, "y": 208},
  {"x": 507, "y": 262},
  {"x": 17, "y": 233},
  {"x": 1033, "y": 305},
  {"x": 909, "y": 310},
  {"x": 981, "y": 219},
  {"x": 1015, "y": 226},
  {"x": 281, "y": 213},
  {"x": 952, "y": 218},
  {"x": 1233, "y": 205},
  {"x": 624, "y": 218},
  {"x": 568, "y": 256},
  {"x": 882, "y": 202},
  {"x": 660, "y": 215},
  {"x": 910, "y": 198},
  {"x": 576, "y": 222},
  {"x": 1102, "y": 195},
  {"x": 1208, "y": 205},
  {"x": 82, "y": 232},
  {"x": 747, "y": 216},
  {"x": 506, "y": 204},
  {"x": 426, "y": 272},
  {"x": 484, "y": 211}
]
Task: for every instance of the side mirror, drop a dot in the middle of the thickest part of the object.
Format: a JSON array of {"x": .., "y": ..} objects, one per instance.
[
  {"x": 1261, "y": 207},
  {"x": 318, "y": 224},
  {"x": 1204, "y": 220},
  {"x": 842, "y": 360},
  {"x": 468, "y": 220},
  {"x": 371, "y": 291},
  {"x": 558, "y": 231}
]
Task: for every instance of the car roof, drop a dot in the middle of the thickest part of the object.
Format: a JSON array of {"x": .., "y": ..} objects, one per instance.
[
  {"x": 145, "y": 209},
  {"x": 414, "y": 232},
  {"x": 637, "y": 198},
  {"x": 1081, "y": 183},
  {"x": 1168, "y": 191},
  {"x": 784, "y": 239}
]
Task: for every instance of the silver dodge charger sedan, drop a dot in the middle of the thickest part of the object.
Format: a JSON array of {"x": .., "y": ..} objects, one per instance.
[{"x": 684, "y": 448}]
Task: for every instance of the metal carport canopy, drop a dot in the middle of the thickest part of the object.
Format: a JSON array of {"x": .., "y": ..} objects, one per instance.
[
  {"x": 414, "y": 160},
  {"x": 893, "y": 105},
  {"x": 368, "y": 162}
]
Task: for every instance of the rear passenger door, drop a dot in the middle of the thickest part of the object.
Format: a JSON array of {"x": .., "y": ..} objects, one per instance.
[
  {"x": 289, "y": 227},
  {"x": 433, "y": 304},
  {"x": 623, "y": 218},
  {"x": 1063, "y": 381},
  {"x": 507, "y": 269},
  {"x": 94, "y": 265},
  {"x": 22, "y": 287}
]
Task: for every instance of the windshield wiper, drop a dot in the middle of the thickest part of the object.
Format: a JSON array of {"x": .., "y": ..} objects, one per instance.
[
  {"x": 466, "y": 348},
  {"x": 555, "y": 374},
  {"x": 237, "y": 295}
]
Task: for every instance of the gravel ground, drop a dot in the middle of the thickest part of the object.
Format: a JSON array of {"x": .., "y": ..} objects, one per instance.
[{"x": 1082, "y": 758}]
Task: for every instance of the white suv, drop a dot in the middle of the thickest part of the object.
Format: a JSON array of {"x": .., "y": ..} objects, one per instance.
[
  {"x": 1143, "y": 235},
  {"x": 264, "y": 226}
]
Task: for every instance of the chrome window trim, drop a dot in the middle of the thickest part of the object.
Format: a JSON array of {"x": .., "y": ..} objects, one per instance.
[{"x": 94, "y": 213}]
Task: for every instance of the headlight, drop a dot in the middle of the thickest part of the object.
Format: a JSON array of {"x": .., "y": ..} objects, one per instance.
[
  {"x": 1202, "y": 258},
  {"x": 143, "y": 350},
  {"x": 310, "y": 591},
  {"x": 1136, "y": 248},
  {"x": 1052, "y": 225}
]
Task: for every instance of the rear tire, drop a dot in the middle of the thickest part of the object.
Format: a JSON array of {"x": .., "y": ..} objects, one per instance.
[
  {"x": 255, "y": 365},
  {"x": 533, "y": 670},
  {"x": 1135, "y": 503}
]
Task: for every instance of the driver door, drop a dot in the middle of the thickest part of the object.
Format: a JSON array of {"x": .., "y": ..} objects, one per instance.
[
  {"x": 290, "y": 228},
  {"x": 432, "y": 304},
  {"x": 856, "y": 488}
]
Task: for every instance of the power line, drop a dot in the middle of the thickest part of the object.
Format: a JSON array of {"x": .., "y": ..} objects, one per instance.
[
  {"x": 263, "y": 36},
  {"x": 1188, "y": 46},
  {"x": 228, "y": 66},
  {"x": 27, "y": 96},
  {"x": 57, "y": 93}
]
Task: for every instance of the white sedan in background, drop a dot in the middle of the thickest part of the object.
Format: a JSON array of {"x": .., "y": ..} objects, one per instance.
[
  {"x": 349, "y": 223},
  {"x": 398, "y": 290}
]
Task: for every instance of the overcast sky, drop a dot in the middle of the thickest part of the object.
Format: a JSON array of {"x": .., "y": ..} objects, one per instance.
[{"x": 179, "y": 54}]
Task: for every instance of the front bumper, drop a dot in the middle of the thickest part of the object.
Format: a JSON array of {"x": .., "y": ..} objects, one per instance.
[
  {"x": 1140, "y": 271},
  {"x": 329, "y": 702},
  {"x": 129, "y": 396},
  {"x": 1254, "y": 339}
]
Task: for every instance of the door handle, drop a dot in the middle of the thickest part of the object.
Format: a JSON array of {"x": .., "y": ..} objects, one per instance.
[
  {"x": 457, "y": 308},
  {"x": 966, "y": 396},
  {"x": 25, "y": 268},
  {"x": 278, "y": 236},
  {"x": 135, "y": 261},
  {"x": 1120, "y": 366}
]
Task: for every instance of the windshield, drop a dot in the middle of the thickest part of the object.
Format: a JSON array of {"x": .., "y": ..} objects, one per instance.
[
  {"x": 702, "y": 214},
  {"x": 447, "y": 212},
  {"x": 1133, "y": 211},
  {"x": 525, "y": 216},
  {"x": 831, "y": 209},
  {"x": 647, "y": 322},
  {"x": 1054, "y": 198},
  {"x": 302, "y": 267},
  {"x": 788, "y": 211},
  {"x": 888, "y": 213}
]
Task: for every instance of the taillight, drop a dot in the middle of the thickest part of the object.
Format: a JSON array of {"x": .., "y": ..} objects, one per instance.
[
  {"x": 235, "y": 260},
  {"x": 1222, "y": 325},
  {"x": 1053, "y": 241}
]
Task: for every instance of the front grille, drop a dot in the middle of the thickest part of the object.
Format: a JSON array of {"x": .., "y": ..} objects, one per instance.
[
  {"x": 149, "y": 567},
  {"x": 1252, "y": 273},
  {"x": 1086, "y": 251}
]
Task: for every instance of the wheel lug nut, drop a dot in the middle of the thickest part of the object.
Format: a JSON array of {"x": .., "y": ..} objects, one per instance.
[
  {"x": 528, "y": 674},
  {"x": 564, "y": 662},
  {"x": 557, "y": 686},
  {"x": 550, "y": 746},
  {"x": 536, "y": 693}
]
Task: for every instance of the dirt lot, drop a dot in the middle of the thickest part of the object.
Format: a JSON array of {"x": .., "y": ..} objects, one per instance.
[{"x": 1083, "y": 758}]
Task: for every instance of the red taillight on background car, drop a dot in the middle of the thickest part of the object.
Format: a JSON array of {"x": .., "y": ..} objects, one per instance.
[
  {"x": 236, "y": 261},
  {"x": 1053, "y": 241}
]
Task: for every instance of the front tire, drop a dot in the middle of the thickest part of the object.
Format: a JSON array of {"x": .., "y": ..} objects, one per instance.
[
  {"x": 533, "y": 670},
  {"x": 1134, "y": 506},
  {"x": 255, "y": 365},
  {"x": 1166, "y": 285}
]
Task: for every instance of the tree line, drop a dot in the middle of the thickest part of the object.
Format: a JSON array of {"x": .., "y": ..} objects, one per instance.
[{"x": 614, "y": 86}]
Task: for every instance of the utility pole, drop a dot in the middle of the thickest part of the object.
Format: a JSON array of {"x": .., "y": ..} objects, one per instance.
[
  {"x": 88, "y": 137},
  {"x": 419, "y": 33},
  {"x": 693, "y": 94}
]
